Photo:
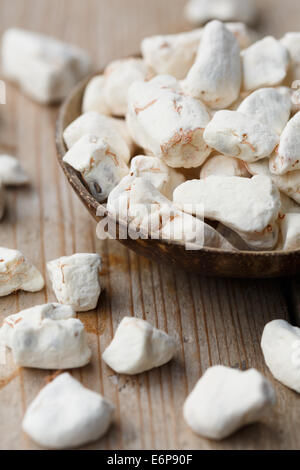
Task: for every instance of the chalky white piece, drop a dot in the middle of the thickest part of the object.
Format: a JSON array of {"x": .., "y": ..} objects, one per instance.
[
  {"x": 292, "y": 42},
  {"x": 222, "y": 165},
  {"x": 107, "y": 93},
  {"x": 290, "y": 232},
  {"x": 137, "y": 202},
  {"x": 75, "y": 280},
  {"x": 287, "y": 156},
  {"x": 249, "y": 207},
  {"x": 198, "y": 12},
  {"x": 11, "y": 171},
  {"x": 281, "y": 348},
  {"x": 105, "y": 127},
  {"x": 94, "y": 96},
  {"x": 167, "y": 123},
  {"x": 238, "y": 135},
  {"x": 66, "y": 415},
  {"x": 17, "y": 273},
  {"x": 100, "y": 167},
  {"x": 288, "y": 184},
  {"x": 138, "y": 346},
  {"x": 34, "y": 315},
  {"x": 215, "y": 78},
  {"x": 172, "y": 54},
  {"x": 270, "y": 106},
  {"x": 153, "y": 169},
  {"x": 2, "y": 200},
  {"x": 46, "y": 69},
  {"x": 46, "y": 337},
  {"x": 225, "y": 400},
  {"x": 119, "y": 76},
  {"x": 265, "y": 63}
]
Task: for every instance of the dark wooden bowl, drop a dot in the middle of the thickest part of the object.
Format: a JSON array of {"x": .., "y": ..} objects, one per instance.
[{"x": 207, "y": 261}]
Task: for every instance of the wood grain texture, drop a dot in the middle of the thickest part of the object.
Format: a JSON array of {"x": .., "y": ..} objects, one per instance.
[{"x": 215, "y": 321}]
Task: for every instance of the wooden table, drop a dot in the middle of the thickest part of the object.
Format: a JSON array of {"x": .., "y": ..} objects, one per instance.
[{"x": 215, "y": 321}]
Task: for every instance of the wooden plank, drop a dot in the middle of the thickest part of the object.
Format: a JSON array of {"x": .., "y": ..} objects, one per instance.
[{"x": 214, "y": 321}]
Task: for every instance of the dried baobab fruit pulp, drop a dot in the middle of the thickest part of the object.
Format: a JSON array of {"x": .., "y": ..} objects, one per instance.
[
  {"x": 137, "y": 346},
  {"x": 65, "y": 414},
  {"x": 281, "y": 348},
  {"x": 75, "y": 280},
  {"x": 46, "y": 69},
  {"x": 46, "y": 337},
  {"x": 17, "y": 273},
  {"x": 225, "y": 400}
]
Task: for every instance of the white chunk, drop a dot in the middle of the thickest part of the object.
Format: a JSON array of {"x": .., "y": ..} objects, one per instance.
[
  {"x": 65, "y": 415},
  {"x": 137, "y": 347},
  {"x": 119, "y": 76},
  {"x": 107, "y": 93},
  {"x": 46, "y": 69},
  {"x": 11, "y": 171},
  {"x": 2, "y": 200},
  {"x": 94, "y": 96},
  {"x": 167, "y": 123},
  {"x": 237, "y": 135},
  {"x": 172, "y": 54},
  {"x": 17, "y": 273},
  {"x": 222, "y": 165},
  {"x": 216, "y": 75},
  {"x": 289, "y": 183},
  {"x": 281, "y": 348},
  {"x": 290, "y": 231},
  {"x": 100, "y": 167},
  {"x": 75, "y": 280},
  {"x": 34, "y": 315},
  {"x": 139, "y": 204},
  {"x": 153, "y": 169},
  {"x": 249, "y": 207},
  {"x": 46, "y": 337},
  {"x": 265, "y": 63},
  {"x": 287, "y": 155},
  {"x": 225, "y": 400},
  {"x": 104, "y": 127},
  {"x": 292, "y": 42},
  {"x": 270, "y": 106}
]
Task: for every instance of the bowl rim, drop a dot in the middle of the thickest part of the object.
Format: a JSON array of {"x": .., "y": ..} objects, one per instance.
[{"x": 93, "y": 205}]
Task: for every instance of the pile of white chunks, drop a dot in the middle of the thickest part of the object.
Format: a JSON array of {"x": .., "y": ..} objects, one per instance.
[
  {"x": 51, "y": 337},
  {"x": 198, "y": 140}
]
